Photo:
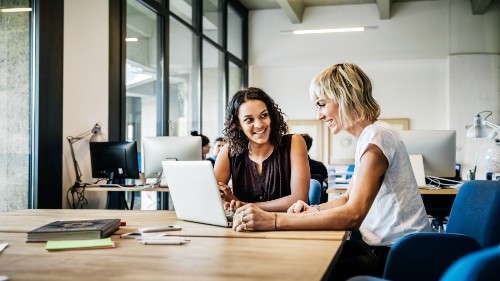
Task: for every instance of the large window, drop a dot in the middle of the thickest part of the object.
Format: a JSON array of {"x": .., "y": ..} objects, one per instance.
[
  {"x": 182, "y": 41},
  {"x": 178, "y": 66},
  {"x": 213, "y": 91},
  {"x": 184, "y": 77},
  {"x": 143, "y": 73}
]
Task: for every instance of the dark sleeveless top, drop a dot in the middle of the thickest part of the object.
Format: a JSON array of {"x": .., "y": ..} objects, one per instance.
[{"x": 274, "y": 182}]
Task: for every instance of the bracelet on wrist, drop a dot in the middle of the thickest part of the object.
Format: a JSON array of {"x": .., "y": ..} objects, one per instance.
[{"x": 317, "y": 207}]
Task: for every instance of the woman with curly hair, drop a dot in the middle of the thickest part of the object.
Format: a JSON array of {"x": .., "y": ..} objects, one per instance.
[{"x": 267, "y": 166}]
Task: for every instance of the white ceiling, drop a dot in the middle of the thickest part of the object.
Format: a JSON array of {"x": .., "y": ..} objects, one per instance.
[{"x": 294, "y": 9}]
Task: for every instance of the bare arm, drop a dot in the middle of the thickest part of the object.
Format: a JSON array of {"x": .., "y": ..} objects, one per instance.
[
  {"x": 221, "y": 167},
  {"x": 350, "y": 215},
  {"x": 299, "y": 181}
]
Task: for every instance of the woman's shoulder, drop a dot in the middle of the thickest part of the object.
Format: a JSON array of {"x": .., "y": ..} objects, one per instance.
[
  {"x": 381, "y": 134},
  {"x": 287, "y": 139},
  {"x": 380, "y": 129}
]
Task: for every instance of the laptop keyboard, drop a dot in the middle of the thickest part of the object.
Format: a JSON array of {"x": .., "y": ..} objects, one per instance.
[{"x": 229, "y": 216}]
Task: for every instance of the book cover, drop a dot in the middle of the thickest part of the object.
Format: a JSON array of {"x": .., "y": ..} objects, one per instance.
[
  {"x": 61, "y": 245},
  {"x": 74, "y": 230}
]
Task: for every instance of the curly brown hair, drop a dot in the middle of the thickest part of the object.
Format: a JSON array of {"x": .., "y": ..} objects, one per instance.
[{"x": 236, "y": 139}]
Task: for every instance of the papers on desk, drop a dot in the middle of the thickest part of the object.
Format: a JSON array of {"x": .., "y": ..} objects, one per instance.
[
  {"x": 61, "y": 245},
  {"x": 338, "y": 184},
  {"x": 3, "y": 245}
]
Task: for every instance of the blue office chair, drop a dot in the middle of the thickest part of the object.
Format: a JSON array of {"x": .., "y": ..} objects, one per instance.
[
  {"x": 425, "y": 256},
  {"x": 475, "y": 216},
  {"x": 483, "y": 265},
  {"x": 476, "y": 212},
  {"x": 350, "y": 168},
  {"x": 314, "y": 192}
]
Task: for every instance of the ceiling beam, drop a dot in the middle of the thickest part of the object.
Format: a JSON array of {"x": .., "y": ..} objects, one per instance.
[
  {"x": 479, "y": 7},
  {"x": 294, "y": 9},
  {"x": 384, "y": 9}
]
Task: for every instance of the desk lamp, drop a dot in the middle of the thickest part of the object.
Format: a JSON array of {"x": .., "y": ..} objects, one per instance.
[
  {"x": 478, "y": 130},
  {"x": 97, "y": 136}
]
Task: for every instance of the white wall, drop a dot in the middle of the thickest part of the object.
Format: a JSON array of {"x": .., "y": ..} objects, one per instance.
[
  {"x": 86, "y": 62},
  {"x": 407, "y": 57}
]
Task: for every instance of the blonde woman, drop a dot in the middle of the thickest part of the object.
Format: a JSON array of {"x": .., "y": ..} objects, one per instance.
[{"x": 382, "y": 200}]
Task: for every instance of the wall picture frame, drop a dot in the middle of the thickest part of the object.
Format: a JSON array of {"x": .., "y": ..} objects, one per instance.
[
  {"x": 313, "y": 128},
  {"x": 342, "y": 146},
  {"x": 400, "y": 124}
]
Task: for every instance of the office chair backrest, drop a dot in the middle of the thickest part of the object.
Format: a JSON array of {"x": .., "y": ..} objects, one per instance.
[
  {"x": 350, "y": 168},
  {"x": 425, "y": 256},
  {"x": 476, "y": 212},
  {"x": 478, "y": 266}
]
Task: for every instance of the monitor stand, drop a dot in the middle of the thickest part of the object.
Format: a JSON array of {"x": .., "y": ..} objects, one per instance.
[{"x": 116, "y": 199}]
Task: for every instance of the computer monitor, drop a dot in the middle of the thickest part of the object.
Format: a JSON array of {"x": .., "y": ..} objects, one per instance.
[
  {"x": 114, "y": 160},
  {"x": 437, "y": 147},
  {"x": 158, "y": 149}
]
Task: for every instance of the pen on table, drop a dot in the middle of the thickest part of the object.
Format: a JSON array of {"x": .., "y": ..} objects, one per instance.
[
  {"x": 163, "y": 241},
  {"x": 166, "y": 238}
]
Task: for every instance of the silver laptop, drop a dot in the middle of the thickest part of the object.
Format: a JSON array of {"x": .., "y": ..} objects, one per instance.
[{"x": 195, "y": 192}]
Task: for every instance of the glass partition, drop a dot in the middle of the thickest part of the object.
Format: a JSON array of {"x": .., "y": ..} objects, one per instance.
[
  {"x": 184, "y": 79},
  {"x": 212, "y": 20},
  {"x": 235, "y": 79},
  {"x": 143, "y": 73},
  {"x": 213, "y": 98},
  {"x": 234, "y": 32}
]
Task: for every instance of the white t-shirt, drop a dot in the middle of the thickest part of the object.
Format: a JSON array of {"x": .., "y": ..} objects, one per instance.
[{"x": 398, "y": 208}]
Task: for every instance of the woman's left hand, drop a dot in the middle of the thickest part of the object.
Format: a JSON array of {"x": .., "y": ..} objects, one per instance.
[
  {"x": 251, "y": 217},
  {"x": 301, "y": 207}
]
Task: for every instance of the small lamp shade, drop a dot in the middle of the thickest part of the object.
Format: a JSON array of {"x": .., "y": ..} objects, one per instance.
[
  {"x": 493, "y": 158},
  {"x": 98, "y": 137},
  {"x": 97, "y": 134},
  {"x": 478, "y": 130}
]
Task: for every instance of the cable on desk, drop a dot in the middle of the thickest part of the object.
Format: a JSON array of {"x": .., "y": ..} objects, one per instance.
[
  {"x": 77, "y": 195},
  {"x": 437, "y": 181}
]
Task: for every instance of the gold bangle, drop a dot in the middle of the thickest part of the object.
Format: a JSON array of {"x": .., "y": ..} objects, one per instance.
[{"x": 275, "y": 221}]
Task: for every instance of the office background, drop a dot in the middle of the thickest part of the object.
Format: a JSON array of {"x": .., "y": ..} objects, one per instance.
[{"x": 433, "y": 62}]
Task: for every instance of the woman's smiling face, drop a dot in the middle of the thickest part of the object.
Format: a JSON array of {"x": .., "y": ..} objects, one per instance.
[
  {"x": 255, "y": 121},
  {"x": 328, "y": 111}
]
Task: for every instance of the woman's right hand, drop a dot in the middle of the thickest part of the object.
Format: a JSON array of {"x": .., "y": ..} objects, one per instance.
[
  {"x": 233, "y": 205},
  {"x": 231, "y": 202}
]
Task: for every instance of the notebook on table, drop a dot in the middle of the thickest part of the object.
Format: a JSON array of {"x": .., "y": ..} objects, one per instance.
[{"x": 195, "y": 192}]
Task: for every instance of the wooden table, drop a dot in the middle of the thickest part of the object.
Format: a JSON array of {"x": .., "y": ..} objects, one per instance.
[
  {"x": 214, "y": 253},
  {"x": 25, "y": 220}
]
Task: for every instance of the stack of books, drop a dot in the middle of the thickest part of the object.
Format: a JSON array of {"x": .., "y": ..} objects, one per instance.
[{"x": 74, "y": 230}]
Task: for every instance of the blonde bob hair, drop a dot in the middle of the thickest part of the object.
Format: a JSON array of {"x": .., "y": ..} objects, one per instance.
[{"x": 351, "y": 88}]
